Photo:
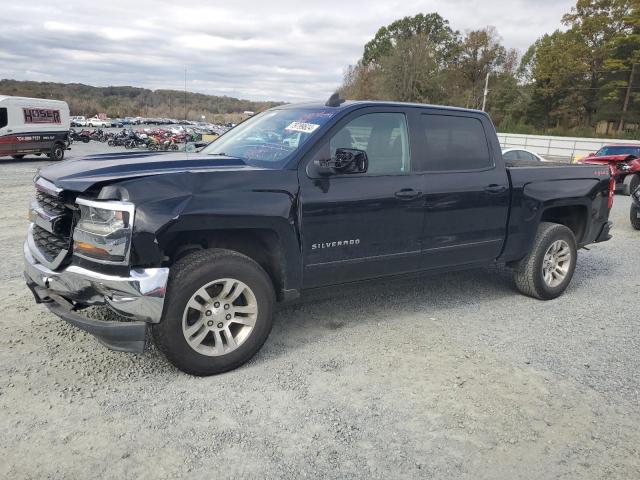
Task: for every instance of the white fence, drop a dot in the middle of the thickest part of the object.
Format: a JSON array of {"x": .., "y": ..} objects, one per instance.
[{"x": 560, "y": 148}]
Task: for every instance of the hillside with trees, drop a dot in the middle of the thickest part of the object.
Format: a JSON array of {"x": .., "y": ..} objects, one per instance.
[
  {"x": 131, "y": 101},
  {"x": 581, "y": 80}
]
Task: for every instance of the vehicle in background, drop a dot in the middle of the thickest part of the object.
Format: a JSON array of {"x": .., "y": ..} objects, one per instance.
[
  {"x": 33, "y": 126},
  {"x": 83, "y": 136},
  {"x": 78, "y": 121},
  {"x": 634, "y": 214},
  {"x": 116, "y": 123},
  {"x": 197, "y": 248},
  {"x": 624, "y": 162},
  {"x": 521, "y": 155},
  {"x": 98, "y": 122}
]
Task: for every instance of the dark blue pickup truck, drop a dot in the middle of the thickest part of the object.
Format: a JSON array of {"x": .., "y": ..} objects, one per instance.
[{"x": 195, "y": 249}]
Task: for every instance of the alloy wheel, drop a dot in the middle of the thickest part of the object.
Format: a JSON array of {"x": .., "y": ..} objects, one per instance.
[
  {"x": 556, "y": 263},
  {"x": 219, "y": 317}
]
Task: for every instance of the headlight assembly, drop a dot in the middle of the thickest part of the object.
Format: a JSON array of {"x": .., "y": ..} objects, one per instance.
[{"x": 103, "y": 232}]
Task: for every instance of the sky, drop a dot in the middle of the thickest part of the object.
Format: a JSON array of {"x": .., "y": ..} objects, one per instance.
[{"x": 258, "y": 50}]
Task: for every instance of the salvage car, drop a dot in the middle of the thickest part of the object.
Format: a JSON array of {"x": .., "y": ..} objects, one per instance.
[
  {"x": 98, "y": 122},
  {"x": 521, "y": 155},
  {"x": 624, "y": 161},
  {"x": 196, "y": 249}
]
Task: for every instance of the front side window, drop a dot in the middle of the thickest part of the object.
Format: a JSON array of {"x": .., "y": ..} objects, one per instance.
[
  {"x": 454, "y": 143},
  {"x": 4, "y": 118},
  {"x": 383, "y": 136},
  {"x": 270, "y": 138}
]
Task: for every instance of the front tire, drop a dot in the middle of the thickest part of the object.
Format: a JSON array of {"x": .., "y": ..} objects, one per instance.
[
  {"x": 633, "y": 216},
  {"x": 17, "y": 157},
  {"x": 218, "y": 312},
  {"x": 548, "y": 269},
  {"x": 630, "y": 183}
]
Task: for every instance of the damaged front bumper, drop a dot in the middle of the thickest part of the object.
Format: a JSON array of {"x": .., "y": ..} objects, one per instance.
[{"x": 138, "y": 297}]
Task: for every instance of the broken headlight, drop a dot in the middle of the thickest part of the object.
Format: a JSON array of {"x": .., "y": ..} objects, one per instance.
[{"x": 103, "y": 232}]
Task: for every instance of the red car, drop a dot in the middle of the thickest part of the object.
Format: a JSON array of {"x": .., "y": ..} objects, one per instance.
[{"x": 624, "y": 162}]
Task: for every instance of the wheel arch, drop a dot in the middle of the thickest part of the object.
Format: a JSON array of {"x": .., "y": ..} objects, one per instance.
[
  {"x": 574, "y": 217},
  {"x": 263, "y": 245}
]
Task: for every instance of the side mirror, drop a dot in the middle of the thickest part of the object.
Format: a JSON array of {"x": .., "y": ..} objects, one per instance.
[{"x": 346, "y": 160}]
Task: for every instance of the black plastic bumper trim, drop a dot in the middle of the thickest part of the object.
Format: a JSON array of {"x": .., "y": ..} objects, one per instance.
[
  {"x": 604, "y": 233},
  {"x": 120, "y": 336}
]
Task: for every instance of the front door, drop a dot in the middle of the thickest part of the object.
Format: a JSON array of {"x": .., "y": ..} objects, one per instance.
[{"x": 361, "y": 226}]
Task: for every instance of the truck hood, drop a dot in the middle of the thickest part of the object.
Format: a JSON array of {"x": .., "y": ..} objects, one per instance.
[{"x": 80, "y": 175}]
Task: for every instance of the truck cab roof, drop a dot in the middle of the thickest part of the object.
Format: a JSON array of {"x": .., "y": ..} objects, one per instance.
[{"x": 354, "y": 104}]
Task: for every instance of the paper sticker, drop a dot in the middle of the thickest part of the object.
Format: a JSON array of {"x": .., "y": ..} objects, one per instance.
[{"x": 302, "y": 127}]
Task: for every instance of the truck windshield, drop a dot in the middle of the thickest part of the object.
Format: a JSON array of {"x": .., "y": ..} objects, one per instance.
[
  {"x": 618, "y": 150},
  {"x": 270, "y": 138}
]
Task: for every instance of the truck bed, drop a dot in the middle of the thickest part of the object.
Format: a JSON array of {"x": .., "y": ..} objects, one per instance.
[{"x": 543, "y": 187}]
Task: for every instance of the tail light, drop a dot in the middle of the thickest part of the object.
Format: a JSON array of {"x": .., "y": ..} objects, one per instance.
[{"x": 612, "y": 192}]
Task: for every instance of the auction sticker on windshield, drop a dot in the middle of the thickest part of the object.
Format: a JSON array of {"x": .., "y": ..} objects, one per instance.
[{"x": 302, "y": 127}]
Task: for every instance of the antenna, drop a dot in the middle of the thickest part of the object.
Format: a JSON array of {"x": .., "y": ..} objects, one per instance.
[
  {"x": 335, "y": 100},
  {"x": 185, "y": 92}
]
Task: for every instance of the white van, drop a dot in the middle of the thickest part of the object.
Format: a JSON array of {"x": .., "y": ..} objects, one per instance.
[{"x": 33, "y": 126}]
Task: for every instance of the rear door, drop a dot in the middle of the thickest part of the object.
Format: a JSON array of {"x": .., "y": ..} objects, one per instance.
[
  {"x": 361, "y": 226},
  {"x": 466, "y": 189}
]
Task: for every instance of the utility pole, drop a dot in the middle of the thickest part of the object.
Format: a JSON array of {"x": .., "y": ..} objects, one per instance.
[
  {"x": 185, "y": 93},
  {"x": 627, "y": 98},
  {"x": 486, "y": 91}
]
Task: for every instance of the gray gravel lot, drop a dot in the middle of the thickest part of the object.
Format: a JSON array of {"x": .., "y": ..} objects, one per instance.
[{"x": 451, "y": 377}]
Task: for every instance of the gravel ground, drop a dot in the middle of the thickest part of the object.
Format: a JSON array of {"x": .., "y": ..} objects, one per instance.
[{"x": 451, "y": 377}]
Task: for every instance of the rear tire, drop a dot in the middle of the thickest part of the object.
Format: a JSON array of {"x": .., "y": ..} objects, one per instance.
[
  {"x": 17, "y": 157},
  {"x": 57, "y": 152},
  {"x": 545, "y": 273},
  {"x": 633, "y": 216},
  {"x": 630, "y": 183},
  {"x": 211, "y": 269}
]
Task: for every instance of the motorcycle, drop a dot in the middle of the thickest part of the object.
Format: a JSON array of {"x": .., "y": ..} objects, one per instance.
[{"x": 83, "y": 136}]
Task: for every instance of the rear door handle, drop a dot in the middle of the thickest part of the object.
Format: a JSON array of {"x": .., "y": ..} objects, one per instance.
[
  {"x": 494, "y": 189},
  {"x": 407, "y": 194}
]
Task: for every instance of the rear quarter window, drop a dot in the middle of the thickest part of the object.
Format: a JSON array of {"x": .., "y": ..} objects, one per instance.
[
  {"x": 454, "y": 143},
  {"x": 4, "y": 118}
]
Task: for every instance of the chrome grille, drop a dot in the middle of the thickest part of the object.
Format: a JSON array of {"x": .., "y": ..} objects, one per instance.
[
  {"x": 50, "y": 203},
  {"x": 51, "y": 230},
  {"x": 49, "y": 244}
]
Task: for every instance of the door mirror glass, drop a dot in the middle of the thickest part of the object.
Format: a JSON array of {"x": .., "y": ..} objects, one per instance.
[{"x": 346, "y": 160}]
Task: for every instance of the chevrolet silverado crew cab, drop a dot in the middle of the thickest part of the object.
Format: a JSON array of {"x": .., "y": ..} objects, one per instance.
[{"x": 195, "y": 249}]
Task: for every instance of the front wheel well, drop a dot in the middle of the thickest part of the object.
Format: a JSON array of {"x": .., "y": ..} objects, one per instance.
[
  {"x": 261, "y": 245},
  {"x": 573, "y": 217}
]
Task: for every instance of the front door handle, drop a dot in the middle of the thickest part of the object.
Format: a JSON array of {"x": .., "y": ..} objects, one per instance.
[
  {"x": 495, "y": 189},
  {"x": 407, "y": 194}
]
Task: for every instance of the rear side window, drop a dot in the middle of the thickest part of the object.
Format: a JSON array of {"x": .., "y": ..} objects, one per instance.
[
  {"x": 4, "y": 119},
  {"x": 454, "y": 143},
  {"x": 511, "y": 156}
]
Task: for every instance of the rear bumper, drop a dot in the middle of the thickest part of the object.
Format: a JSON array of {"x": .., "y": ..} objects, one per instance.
[
  {"x": 139, "y": 297},
  {"x": 604, "y": 234}
]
